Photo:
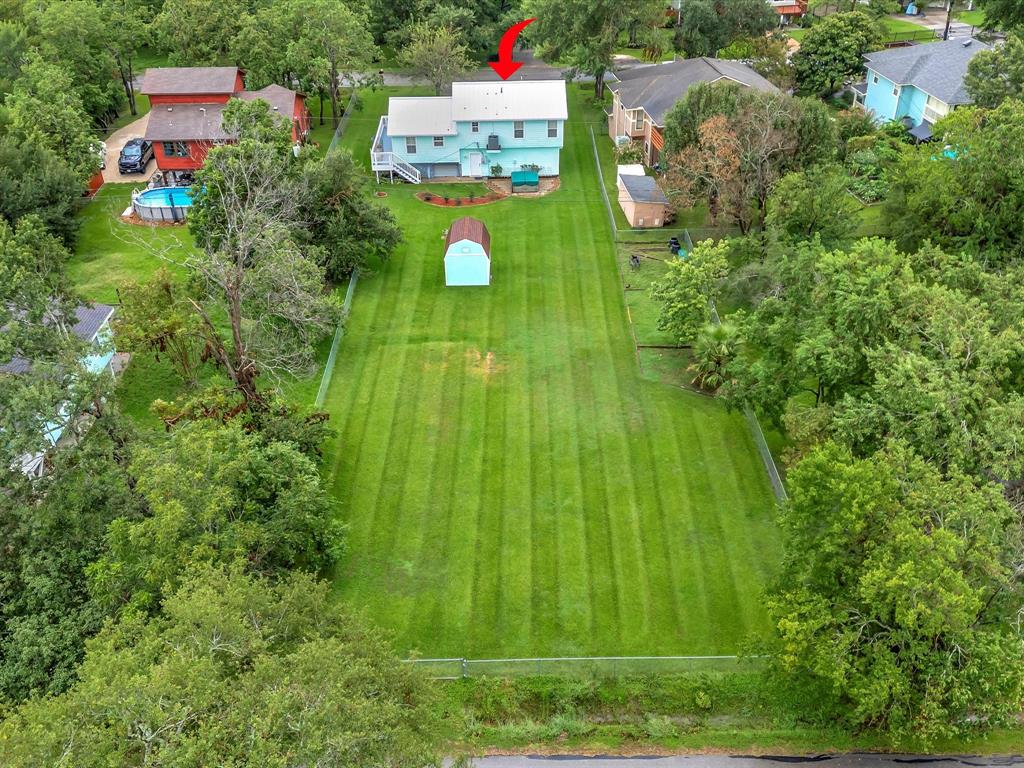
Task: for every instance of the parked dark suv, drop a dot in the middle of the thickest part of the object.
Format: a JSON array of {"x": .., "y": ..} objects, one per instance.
[{"x": 135, "y": 156}]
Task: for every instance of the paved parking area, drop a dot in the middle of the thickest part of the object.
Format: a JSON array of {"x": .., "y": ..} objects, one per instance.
[{"x": 115, "y": 142}]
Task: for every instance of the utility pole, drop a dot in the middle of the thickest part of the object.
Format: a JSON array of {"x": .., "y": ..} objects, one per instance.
[{"x": 949, "y": 19}]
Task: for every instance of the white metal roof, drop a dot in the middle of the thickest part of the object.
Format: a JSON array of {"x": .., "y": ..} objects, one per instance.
[
  {"x": 420, "y": 116},
  {"x": 510, "y": 100}
]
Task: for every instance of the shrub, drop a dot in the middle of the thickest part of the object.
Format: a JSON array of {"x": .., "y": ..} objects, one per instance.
[
  {"x": 496, "y": 169},
  {"x": 628, "y": 153},
  {"x": 428, "y": 196}
]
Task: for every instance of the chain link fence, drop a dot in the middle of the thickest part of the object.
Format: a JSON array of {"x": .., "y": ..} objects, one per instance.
[{"x": 583, "y": 666}]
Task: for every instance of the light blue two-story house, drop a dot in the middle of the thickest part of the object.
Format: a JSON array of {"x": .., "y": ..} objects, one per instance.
[
  {"x": 919, "y": 84},
  {"x": 92, "y": 326},
  {"x": 482, "y": 129}
]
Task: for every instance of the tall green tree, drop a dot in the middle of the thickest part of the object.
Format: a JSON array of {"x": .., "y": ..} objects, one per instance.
[
  {"x": 345, "y": 229},
  {"x": 46, "y": 109},
  {"x": 215, "y": 494},
  {"x": 814, "y": 202},
  {"x": 199, "y": 33},
  {"x": 898, "y": 593},
  {"x": 236, "y": 671},
  {"x": 581, "y": 34},
  {"x": 334, "y": 47},
  {"x": 970, "y": 196},
  {"x": 78, "y": 35},
  {"x": 436, "y": 54},
  {"x": 833, "y": 50},
  {"x": 687, "y": 290},
  {"x": 53, "y": 528},
  {"x": 1003, "y": 14},
  {"x": 995, "y": 75},
  {"x": 707, "y": 26},
  {"x": 37, "y": 181}
]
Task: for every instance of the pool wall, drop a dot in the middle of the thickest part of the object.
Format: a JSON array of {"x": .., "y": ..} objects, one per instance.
[{"x": 158, "y": 211}]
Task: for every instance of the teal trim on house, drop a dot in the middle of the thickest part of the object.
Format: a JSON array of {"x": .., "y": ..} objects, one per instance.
[{"x": 466, "y": 263}]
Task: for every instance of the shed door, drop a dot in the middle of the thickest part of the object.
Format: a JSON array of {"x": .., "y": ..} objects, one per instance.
[{"x": 476, "y": 161}]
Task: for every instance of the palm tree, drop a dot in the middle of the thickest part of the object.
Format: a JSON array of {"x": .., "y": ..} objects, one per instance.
[{"x": 712, "y": 352}]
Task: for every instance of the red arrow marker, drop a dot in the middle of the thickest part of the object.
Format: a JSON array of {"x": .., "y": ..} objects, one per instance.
[{"x": 504, "y": 66}]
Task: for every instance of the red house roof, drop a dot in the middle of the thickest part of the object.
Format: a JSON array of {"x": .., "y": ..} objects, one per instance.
[
  {"x": 166, "y": 81},
  {"x": 468, "y": 228}
]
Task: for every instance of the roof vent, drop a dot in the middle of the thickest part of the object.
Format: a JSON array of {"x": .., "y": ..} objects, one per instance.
[
  {"x": 277, "y": 109},
  {"x": 170, "y": 109},
  {"x": 203, "y": 110}
]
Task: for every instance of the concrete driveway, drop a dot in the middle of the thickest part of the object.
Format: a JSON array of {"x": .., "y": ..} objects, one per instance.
[
  {"x": 115, "y": 142},
  {"x": 935, "y": 21}
]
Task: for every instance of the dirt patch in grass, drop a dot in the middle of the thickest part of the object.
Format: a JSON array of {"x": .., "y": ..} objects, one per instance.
[{"x": 483, "y": 363}]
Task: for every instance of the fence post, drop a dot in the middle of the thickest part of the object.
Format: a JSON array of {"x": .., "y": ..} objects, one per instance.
[{"x": 465, "y": 669}]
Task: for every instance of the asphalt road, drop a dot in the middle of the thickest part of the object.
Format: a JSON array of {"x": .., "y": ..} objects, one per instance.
[{"x": 741, "y": 761}]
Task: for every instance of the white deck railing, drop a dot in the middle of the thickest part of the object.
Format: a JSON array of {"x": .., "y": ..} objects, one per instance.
[{"x": 388, "y": 162}]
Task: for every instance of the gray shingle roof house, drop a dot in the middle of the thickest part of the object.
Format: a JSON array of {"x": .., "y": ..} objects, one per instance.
[
  {"x": 657, "y": 88},
  {"x": 644, "y": 95},
  {"x": 919, "y": 84},
  {"x": 936, "y": 68},
  {"x": 91, "y": 320}
]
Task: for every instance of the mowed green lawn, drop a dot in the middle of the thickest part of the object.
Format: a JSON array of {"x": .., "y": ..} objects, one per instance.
[{"x": 512, "y": 485}]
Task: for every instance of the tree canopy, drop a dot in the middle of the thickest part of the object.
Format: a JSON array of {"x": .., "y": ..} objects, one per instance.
[
  {"x": 895, "y": 593},
  {"x": 235, "y": 671},
  {"x": 833, "y": 50}
]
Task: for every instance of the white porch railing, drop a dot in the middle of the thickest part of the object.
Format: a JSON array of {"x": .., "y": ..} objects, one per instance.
[{"x": 388, "y": 162}]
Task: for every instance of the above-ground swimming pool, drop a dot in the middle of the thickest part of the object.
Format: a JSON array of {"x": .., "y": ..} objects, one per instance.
[{"x": 162, "y": 203}]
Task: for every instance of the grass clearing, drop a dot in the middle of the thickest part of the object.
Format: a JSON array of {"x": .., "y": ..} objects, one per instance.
[
  {"x": 512, "y": 484},
  {"x": 110, "y": 252}
]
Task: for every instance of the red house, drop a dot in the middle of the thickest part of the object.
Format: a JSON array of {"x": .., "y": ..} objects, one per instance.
[{"x": 187, "y": 105}]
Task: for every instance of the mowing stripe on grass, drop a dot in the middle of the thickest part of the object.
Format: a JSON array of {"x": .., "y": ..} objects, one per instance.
[{"x": 512, "y": 485}]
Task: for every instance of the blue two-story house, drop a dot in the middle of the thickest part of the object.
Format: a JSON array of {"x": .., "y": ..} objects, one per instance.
[
  {"x": 482, "y": 129},
  {"x": 92, "y": 326},
  {"x": 919, "y": 84}
]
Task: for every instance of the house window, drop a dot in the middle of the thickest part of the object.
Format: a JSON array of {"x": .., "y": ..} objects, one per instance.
[
  {"x": 410, "y": 145},
  {"x": 895, "y": 90},
  {"x": 474, "y": 127},
  {"x": 935, "y": 109},
  {"x": 175, "y": 149},
  {"x": 638, "y": 120},
  {"x": 874, "y": 79},
  {"x": 517, "y": 129},
  {"x": 439, "y": 141},
  {"x": 552, "y": 129}
]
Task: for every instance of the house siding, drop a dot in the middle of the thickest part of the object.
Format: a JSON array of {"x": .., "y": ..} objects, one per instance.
[
  {"x": 466, "y": 263},
  {"x": 535, "y": 147},
  {"x": 880, "y": 101}
]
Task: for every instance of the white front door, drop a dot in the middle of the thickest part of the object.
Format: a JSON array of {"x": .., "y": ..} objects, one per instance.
[{"x": 476, "y": 161}]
